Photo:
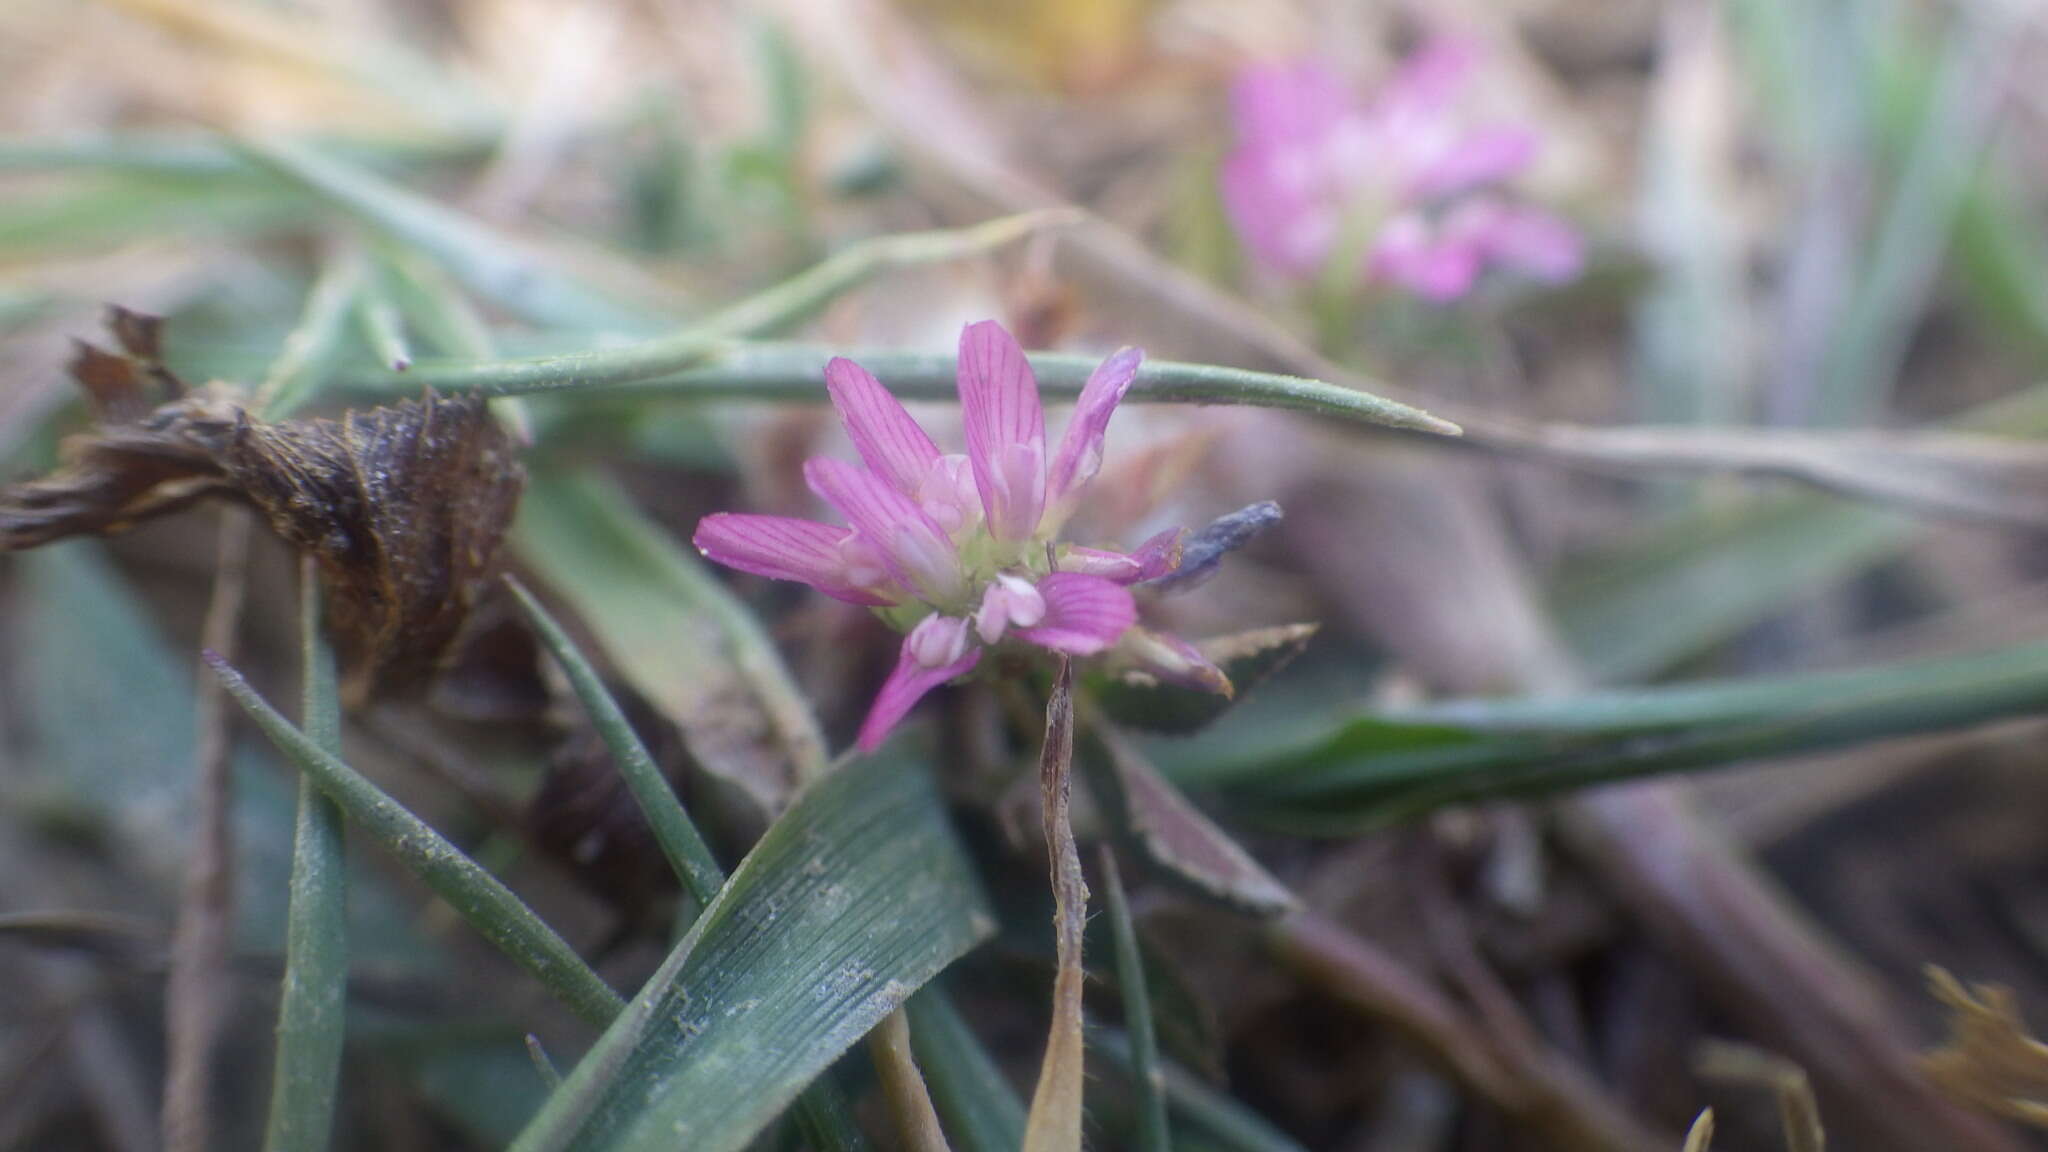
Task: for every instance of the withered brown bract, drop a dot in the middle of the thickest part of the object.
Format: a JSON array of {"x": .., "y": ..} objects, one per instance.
[{"x": 403, "y": 508}]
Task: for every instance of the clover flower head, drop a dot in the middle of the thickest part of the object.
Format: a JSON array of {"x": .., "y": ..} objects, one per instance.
[
  {"x": 959, "y": 550},
  {"x": 1311, "y": 164}
]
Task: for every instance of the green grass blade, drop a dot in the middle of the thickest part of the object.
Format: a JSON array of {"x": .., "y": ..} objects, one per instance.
[
  {"x": 478, "y": 896},
  {"x": 857, "y": 896},
  {"x": 678, "y": 837},
  {"x": 300, "y": 369},
  {"x": 673, "y": 631},
  {"x": 491, "y": 265},
  {"x": 1200, "y": 1109},
  {"x": 794, "y": 373},
  {"x": 1384, "y": 767},
  {"x": 1146, "y": 1079},
  {"x": 314, "y": 993},
  {"x": 979, "y": 1108}
]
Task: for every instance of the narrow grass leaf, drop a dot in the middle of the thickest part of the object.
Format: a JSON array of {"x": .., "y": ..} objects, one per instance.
[
  {"x": 856, "y": 897},
  {"x": 794, "y": 373},
  {"x": 301, "y": 365},
  {"x": 1381, "y": 767},
  {"x": 478, "y": 896},
  {"x": 1197, "y": 1108},
  {"x": 680, "y": 841},
  {"x": 674, "y": 632},
  {"x": 980, "y": 1110},
  {"x": 1153, "y": 1134},
  {"x": 491, "y": 265},
  {"x": 306, "y": 1070}
]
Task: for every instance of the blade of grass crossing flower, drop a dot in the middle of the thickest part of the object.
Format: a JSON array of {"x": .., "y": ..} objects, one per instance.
[
  {"x": 1054, "y": 1122},
  {"x": 854, "y": 898},
  {"x": 301, "y": 365},
  {"x": 310, "y": 1011},
  {"x": 980, "y": 1110},
  {"x": 795, "y": 373},
  {"x": 678, "y": 837},
  {"x": 1199, "y": 1109},
  {"x": 478, "y": 896},
  {"x": 1153, "y": 1135}
]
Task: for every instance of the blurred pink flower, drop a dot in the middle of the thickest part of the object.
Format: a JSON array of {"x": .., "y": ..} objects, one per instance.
[
  {"x": 1311, "y": 164},
  {"x": 958, "y": 549}
]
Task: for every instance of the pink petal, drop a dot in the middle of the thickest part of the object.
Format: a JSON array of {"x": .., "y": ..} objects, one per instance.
[
  {"x": 903, "y": 689},
  {"x": 1287, "y": 103},
  {"x": 1429, "y": 81},
  {"x": 915, "y": 547},
  {"x": 1483, "y": 157},
  {"x": 1080, "y": 455},
  {"x": 1005, "y": 429},
  {"x": 1159, "y": 554},
  {"x": 1412, "y": 253},
  {"x": 1083, "y": 614},
  {"x": 1007, "y": 601},
  {"x": 785, "y": 548},
  {"x": 1535, "y": 243},
  {"x": 1154, "y": 558},
  {"x": 893, "y": 445}
]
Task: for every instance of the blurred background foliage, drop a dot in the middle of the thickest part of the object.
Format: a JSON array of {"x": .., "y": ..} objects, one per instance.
[{"x": 1693, "y": 699}]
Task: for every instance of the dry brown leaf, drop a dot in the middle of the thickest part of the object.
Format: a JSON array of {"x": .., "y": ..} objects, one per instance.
[
  {"x": 1989, "y": 1063},
  {"x": 402, "y": 508},
  {"x": 1054, "y": 1124}
]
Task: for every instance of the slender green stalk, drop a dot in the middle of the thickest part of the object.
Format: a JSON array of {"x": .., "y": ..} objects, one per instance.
[
  {"x": 980, "y": 1109},
  {"x": 299, "y": 369},
  {"x": 821, "y": 1110},
  {"x": 679, "y": 839},
  {"x": 383, "y": 325},
  {"x": 311, "y": 1002},
  {"x": 1223, "y": 1121},
  {"x": 1153, "y": 1134},
  {"x": 794, "y": 373},
  {"x": 478, "y": 896}
]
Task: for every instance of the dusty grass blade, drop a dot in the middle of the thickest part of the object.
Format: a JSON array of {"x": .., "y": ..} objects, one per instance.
[
  {"x": 679, "y": 839},
  {"x": 1153, "y": 1134},
  {"x": 478, "y": 896},
  {"x": 310, "y": 1019},
  {"x": 1054, "y": 1123},
  {"x": 854, "y": 898}
]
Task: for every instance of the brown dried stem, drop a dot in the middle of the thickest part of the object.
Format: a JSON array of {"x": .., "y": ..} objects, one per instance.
[{"x": 199, "y": 946}]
